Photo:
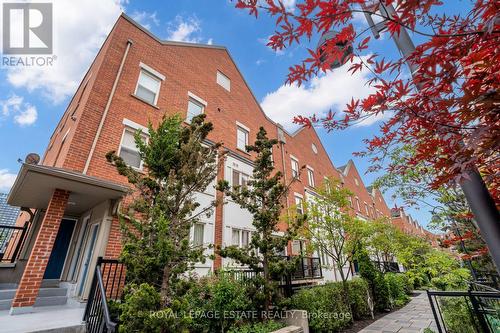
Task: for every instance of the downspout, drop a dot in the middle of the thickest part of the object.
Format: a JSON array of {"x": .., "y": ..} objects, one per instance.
[{"x": 106, "y": 109}]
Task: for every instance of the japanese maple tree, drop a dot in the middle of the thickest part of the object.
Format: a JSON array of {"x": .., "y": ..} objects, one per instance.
[{"x": 448, "y": 109}]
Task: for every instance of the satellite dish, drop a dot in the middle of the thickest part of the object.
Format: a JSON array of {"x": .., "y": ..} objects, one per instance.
[{"x": 32, "y": 158}]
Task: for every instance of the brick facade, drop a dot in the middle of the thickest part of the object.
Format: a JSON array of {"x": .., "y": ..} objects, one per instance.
[
  {"x": 39, "y": 257},
  {"x": 188, "y": 68}
]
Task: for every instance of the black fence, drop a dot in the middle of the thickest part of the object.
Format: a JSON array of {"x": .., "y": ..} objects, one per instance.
[
  {"x": 11, "y": 242},
  {"x": 466, "y": 311},
  {"x": 107, "y": 284}
]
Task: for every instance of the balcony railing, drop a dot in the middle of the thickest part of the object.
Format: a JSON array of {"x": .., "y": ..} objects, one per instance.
[{"x": 11, "y": 242}]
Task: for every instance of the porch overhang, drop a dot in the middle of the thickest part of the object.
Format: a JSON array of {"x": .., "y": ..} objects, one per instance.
[{"x": 35, "y": 184}]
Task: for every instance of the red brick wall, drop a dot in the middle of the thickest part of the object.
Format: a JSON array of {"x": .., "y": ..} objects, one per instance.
[
  {"x": 39, "y": 257},
  {"x": 186, "y": 68}
]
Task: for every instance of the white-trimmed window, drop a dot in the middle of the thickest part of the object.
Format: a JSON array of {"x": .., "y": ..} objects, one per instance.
[
  {"x": 295, "y": 167},
  {"x": 357, "y": 204},
  {"x": 350, "y": 202},
  {"x": 310, "y": 176},
  {"x": 194, "y": 108},
  {"x": 198, "y": 234},
  {"x": 241, "y": 136},
  {"x": 356, "y": 181},
  {"x": 148, "y": 85},
  {"x": 299, "y": 204},
  {"x": 297, "y": 247},
  {"x": 240, "y": 238},
  {"x": 129, "y": 151},
  {"x": 223, "y": 81},
  {"x": 367, "y": 209},
  {"x": 239, "y": 178}
]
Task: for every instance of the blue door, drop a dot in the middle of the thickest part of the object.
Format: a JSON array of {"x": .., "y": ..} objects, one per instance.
[{"x": 59, "y": 250}]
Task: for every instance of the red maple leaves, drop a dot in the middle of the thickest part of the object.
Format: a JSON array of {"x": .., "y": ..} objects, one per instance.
[{"x": 448, "y": 109}]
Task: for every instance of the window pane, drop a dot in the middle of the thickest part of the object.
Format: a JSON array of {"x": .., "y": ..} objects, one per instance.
[
  {"x": 245, "y": 236},
  {"x": 149, "y": 82},
  {"x": 235, "y": 237},
  {"x": 194, "y": 109},
  {"x": 198, "y": 234},
  {"x": 223, "y": 81},
  {"x": 131, "y": 157},
  {"x": 296, "y": 247},
  {"x": 128, "y": 139},
  {"x": 295, "y": 168},
  {"x": 242, "y": 138},
  {"x": 236, "y": 178},
  {"x": 146, "y": 94},
  {"x": 244, "y": 179}
]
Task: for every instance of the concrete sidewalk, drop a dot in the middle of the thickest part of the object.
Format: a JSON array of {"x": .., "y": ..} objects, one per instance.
[
  {"x": 414, "y": 317},
  {"x": 44, "y": 319}
]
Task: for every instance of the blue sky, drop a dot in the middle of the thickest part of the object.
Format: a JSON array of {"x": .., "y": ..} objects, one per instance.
[{"x": 33, "y": 99}]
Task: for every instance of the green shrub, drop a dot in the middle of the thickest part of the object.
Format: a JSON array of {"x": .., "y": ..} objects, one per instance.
[
  {"x": 398, "y": 288},
  {"x": 141, "y": 311},
  {"x": 325, "y": 306},
  {"x": 217, "y": 303},
  {"x": 456, "y": 314},
  {"x": 375, "y": 279},
  {"x": 358, "y": 298},
  {"x": 455, "y": 279},
  {"x": 259, "y": 327}
]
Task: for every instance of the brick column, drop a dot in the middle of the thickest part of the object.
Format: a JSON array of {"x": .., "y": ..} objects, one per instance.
[
  {"x": 219, "y": 224},
  {"x": 114, "y": 242},
  {"x": 39, "y": 257}
]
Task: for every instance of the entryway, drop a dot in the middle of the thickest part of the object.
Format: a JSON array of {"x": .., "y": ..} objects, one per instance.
[{"x": 60, "y": 250}]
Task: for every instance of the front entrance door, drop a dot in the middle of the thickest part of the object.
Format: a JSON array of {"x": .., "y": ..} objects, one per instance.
[
  {"x": 59, "y": 250},
  {"x": 89, "y": 251}
]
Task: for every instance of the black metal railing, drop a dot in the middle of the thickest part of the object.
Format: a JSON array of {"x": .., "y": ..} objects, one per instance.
[
  {"x": 107, "y": 284},
  {"x": 466, "y": 311},
  {"x": 307, "y": 268},
  {"x": 11, "y": 242}
]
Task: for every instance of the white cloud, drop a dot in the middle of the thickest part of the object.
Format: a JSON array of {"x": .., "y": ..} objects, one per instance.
[
  {"x": 289, "y": 5},
  {"x": 265, "y": 41},
  {"x": 331, "y": 91},
  {"x": 6, "y": 179},
  {"x": 24, "y": 113},
  {"x": 184, "y": 30},
  {"x": 27, "y": 117},
  {"x": 146, "y": 19},
  {"x": 80, "y": 28}
]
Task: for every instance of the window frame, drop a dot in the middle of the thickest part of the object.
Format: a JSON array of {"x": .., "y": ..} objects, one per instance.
[
  {"x": 294, "y": 161},
  {"x": 196, "y": 100},
  {"x": 133, "y": 127},
  {"x": 202, "y": 225},
  {"x": 310, "y": 176},
  {"x": 301, "y": 200},
  {"x": 223, "y": 76},
  {"x": 246, "y": 131},
  {"x": 143, "y": 68}
]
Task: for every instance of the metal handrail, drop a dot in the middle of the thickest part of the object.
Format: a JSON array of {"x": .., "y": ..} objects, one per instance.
[
  {"x": 92, "y": 316},
  {"x": 481, "y": 323}
]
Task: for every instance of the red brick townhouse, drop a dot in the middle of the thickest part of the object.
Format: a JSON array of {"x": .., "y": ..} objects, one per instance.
[{"x": 72, "y": 195}]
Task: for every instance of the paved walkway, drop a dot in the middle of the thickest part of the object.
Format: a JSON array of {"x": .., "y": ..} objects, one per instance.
[
  {"x": 414, "y": 317},
  {"x": 44, "y": 319}
]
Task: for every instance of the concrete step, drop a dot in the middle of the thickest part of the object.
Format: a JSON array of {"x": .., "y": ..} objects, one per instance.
[
  {"x": 8, "y": 286},
  {"x": 51, "y": 300},
  {"x": 68, "y": 329},
  {"x": 50, "y": 283},
  {"x": 5, "y": 304},
  {"x": 7, "y": 294},
  {"x": 48, "y": 292}
]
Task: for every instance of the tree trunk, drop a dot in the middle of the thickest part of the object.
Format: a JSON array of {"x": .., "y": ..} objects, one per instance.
[
  {"x": 345, "y": 290},
  {"x": 165, "y": 285},
  {"x": 267, "y": 290}
]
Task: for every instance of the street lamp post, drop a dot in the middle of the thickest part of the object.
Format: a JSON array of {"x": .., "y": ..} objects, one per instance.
[{"x": 478, "y": 197}]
